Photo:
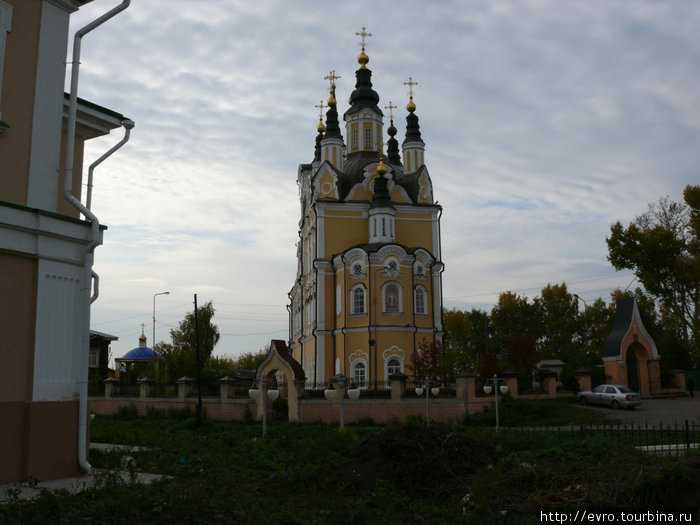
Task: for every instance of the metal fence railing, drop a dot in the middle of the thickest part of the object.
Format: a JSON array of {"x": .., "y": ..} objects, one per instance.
[{"x": 657, "y": 438}]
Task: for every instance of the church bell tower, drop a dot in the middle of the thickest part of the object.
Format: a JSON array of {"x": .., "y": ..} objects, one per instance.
[{"x": 368, "y": 288}]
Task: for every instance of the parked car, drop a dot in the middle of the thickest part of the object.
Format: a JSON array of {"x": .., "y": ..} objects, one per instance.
[{"x": 614, "y": 396}]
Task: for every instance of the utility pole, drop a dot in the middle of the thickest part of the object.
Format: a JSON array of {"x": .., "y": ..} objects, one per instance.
[{"x": 199, "y": 364}]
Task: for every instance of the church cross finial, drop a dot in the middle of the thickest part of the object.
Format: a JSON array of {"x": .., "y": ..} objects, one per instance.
[
  {"x": 411, "y": 107},
  {"x": 364, "y": 34},
  {"x": 321, "y": 106},
  {"x": 332, "y": 77},
  {"x": 410, "y": 85},
  {"x": 391, "y": 109}
]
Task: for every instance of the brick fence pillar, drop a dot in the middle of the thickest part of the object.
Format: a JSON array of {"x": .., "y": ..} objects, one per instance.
[
  {"x": 398, "y": 386},
  {"x": 146, "y": 387},
  {"x": 183, "y": 387}
]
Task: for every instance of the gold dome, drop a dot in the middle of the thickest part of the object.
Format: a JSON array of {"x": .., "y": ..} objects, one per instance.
[
  {"x": 320, "y": 128},
  {"x": 381, "y": 169},
  {"x": 363, "y": 59},
  {"x": 411, "y": 106}
]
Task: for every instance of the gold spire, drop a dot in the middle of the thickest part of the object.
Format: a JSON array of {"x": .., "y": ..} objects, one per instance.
[
  {"x": 363, "y": 59},
  {"x": 381, "y": 169},
  {"x": 320, "y": 128},
  {"x": 411, "y": 106},
  {"x": 332, "y": 77}
]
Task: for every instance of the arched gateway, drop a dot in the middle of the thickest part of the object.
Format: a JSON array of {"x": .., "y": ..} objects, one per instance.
[
  {"x": 280, "y": 366},
  {"x": 630, "y": 354}
]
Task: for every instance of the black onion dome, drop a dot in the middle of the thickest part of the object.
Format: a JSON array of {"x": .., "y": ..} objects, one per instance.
[
  {"x": 332, "y": 126},
  {"x": 363, "y": 96},
  {"x": 382, "y": 199},
  {"x": 317, "y": 149},
  {"x": 412, "y": 129},
  {"x": 392, "y": 149}
]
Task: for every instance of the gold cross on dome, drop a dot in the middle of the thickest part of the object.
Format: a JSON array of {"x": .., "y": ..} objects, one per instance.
[
  {"x": 332, "y": 77},
  {"x": 364, "y": 34},
  {"x": 380, "y": 145},
  {"x": 320, "y": 107},
  {"x": 410, "y": 85},
  {"x": 391, "y": 109}
]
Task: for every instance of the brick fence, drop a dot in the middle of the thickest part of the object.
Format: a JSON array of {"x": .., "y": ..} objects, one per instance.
[{"x": 449, "y": 407}]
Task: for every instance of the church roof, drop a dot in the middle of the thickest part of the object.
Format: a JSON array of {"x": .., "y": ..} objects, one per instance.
[
  {"x": 626, "y": 313},
  {"x": 140, "y": 353}
]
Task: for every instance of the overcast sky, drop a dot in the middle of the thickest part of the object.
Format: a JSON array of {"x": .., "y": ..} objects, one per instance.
[{"x": 544, "y": 122}]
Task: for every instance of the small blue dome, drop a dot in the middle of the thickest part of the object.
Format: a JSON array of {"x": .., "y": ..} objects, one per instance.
[{"x": 140, "y": 353}]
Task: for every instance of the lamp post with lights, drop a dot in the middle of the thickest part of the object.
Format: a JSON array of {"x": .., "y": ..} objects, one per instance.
[
  {"x": 153, "y": 341},
  {"x": 331, "y": 393},
  {"x": 503, "y": 388},
  {"x": 262, "y": 396}
]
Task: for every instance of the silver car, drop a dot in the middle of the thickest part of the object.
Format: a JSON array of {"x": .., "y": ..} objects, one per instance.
[{"x": 614, "y": 396}]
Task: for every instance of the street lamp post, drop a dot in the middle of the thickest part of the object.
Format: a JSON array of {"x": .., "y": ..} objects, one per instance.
[
  {"x": 331, "y": 393},
  {"x": 503, "y": 388},
  {"x": 153, "y": 341},
  {"x": 263, "y": 396},
  {"x": 419, "y": 392}
]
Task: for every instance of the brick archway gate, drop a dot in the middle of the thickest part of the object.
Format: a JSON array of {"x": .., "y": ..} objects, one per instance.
[
  {"x": 279, "y": 362},
  {"x": 630, "y": 354}
]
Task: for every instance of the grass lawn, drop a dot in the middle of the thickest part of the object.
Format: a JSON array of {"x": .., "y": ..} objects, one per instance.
[{"x": 222, "y": 472}]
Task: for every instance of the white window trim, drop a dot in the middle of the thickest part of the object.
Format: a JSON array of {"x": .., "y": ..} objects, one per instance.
[
  {"x": 5, "y": 27},
  {"x": 94, "y": 360},
  {"x": 353, "y": 309},
  {"x": 425, "y": 300},
  {"x": 364, "y": 384},
  {"x": 386, "y": 366}
]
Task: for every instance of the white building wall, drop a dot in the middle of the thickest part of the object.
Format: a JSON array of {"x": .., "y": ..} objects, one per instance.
[{"x": 48, "y": 109}]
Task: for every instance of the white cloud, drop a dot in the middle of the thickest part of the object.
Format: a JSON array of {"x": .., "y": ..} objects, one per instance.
[{"x": 544, "y": 122}]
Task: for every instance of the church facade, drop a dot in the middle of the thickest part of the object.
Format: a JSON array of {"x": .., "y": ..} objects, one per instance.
[{"x": 368, "y": 288}]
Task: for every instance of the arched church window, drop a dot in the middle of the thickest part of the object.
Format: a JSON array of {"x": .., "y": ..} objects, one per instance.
[
  {"x": 355, "y": 139},
  {"x": 393, "y": 366},
  {"x": 358, "y": 300},
  {"x": 359, "y": 374},
  {"x": 383, "y": 226},
  {"x": 420, "y": 300},
  {"x": 368, "y": 138}
]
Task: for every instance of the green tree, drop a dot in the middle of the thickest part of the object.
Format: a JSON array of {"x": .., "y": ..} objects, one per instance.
[
  {"x": 561, "y": 327},
  {"x": 251, "y": 360},
  {"x": 517, "y": 325},
  {"x": 661, "y": 247},
  {"x": 464, "y": 340},
  {"x": 181, "y": 354}
]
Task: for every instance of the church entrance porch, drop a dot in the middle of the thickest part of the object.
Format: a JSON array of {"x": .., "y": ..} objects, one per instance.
[{"x": 630, "y": 354}]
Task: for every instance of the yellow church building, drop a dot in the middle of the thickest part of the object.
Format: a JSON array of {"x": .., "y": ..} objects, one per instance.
[{"x": 368, "y": 289}]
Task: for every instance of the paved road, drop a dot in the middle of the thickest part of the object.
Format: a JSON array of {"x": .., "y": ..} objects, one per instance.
[{"x": 654, "y": 411}]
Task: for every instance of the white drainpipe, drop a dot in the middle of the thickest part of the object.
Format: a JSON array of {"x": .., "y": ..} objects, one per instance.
[
  {"x": 128, "y": 125},
  {"x": 95, "y": 229}
]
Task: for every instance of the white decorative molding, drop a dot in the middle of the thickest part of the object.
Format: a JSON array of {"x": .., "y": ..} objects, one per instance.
[
  {"x": 358, "y": 354},
  {"x": 393, "y": 351}
]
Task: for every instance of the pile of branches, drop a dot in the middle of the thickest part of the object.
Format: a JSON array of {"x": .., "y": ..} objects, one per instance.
[{"x": 434, "y": 463}]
